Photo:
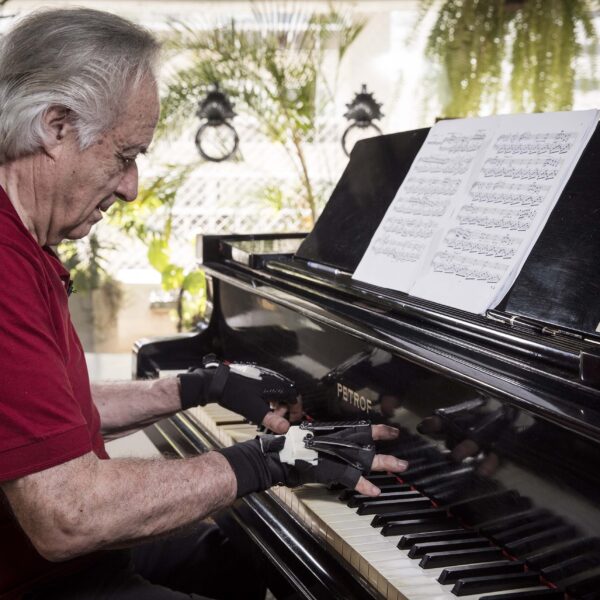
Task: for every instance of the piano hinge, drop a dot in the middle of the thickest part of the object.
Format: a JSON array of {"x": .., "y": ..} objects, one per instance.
[{"x": 530, "y": 326}]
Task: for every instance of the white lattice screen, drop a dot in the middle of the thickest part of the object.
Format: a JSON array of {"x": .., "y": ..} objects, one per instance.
[{"x": 228, "y": 197}]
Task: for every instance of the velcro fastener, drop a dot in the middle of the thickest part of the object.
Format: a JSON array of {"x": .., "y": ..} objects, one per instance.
[{"x": 217, "y": 385}]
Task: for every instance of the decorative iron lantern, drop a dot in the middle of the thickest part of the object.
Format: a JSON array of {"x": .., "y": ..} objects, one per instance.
[
  {"x": 216, "y": 140},
  {"x": 361, "y": 113}
]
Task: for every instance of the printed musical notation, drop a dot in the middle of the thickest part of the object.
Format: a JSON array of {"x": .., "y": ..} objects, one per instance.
[
  {"x": 522, "y": 168},
  {"x": 496, "y": 218},
  {"x": 427, "y": 187},
  {"x": 539, "y": 143},
  {"x": 501, "y": 192},
  {"x": 473, "y": 204},
  {"x": 399, "y": 250},
  {"x": 409, "y": 228},
  {"x": 487, "y": 244},
  {"x": 476, "y": 269},
  {"x": 454, "y": 142},
  {"x": 445, "y": 165}
]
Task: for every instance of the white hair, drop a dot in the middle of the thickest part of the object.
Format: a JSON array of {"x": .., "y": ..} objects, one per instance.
[{"x": 83, "y": 60}]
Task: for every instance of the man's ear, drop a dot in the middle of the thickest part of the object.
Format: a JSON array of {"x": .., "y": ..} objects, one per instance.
[{"x": 58, "y": 125}]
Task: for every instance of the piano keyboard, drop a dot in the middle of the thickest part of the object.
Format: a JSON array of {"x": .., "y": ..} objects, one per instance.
[{"x": 394, "y": 573}]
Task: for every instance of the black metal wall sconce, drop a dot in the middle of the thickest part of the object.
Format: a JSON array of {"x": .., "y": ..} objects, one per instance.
[
  {"x": 216, "y": 131},
  {"x": 361, "y": 113}
]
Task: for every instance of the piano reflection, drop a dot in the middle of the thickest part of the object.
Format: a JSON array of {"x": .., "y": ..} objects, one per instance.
[{"x": 499, "y": 413}]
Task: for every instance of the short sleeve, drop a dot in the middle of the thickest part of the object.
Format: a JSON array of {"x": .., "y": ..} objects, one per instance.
[{"x": 41, "y": 423}]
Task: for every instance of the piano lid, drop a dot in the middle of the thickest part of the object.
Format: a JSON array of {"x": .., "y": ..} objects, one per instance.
[{"x": 559, "y": 284}]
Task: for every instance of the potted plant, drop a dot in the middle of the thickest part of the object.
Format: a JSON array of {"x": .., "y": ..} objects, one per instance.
[
  {"x": 97, "y": 297},
  {"x": 150, "y": 220}
]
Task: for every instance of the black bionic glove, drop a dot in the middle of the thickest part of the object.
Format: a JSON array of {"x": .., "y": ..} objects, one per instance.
[
  {"x": 319, "y": 453},
  {"x": 246, "y": 389}
]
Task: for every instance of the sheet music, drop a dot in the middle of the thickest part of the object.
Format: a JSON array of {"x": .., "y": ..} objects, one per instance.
[
  {"x": 436, "y": 178},
  {"x": 478, "y": 245}
]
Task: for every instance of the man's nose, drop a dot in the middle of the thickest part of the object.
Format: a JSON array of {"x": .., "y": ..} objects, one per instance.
[{"x": 128, "y": 186}]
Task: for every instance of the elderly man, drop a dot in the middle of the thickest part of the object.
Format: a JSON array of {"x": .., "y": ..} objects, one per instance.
[{"x": 78, "y": 103}]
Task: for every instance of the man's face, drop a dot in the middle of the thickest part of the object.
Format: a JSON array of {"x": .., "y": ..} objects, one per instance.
[{"x": 86, "y": 183}]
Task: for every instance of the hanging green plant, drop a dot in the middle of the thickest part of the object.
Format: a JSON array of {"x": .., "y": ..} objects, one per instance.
[
  {"x": 545, "y": 50},
  {"x": 468, "y": 42},
  {"x": 540, "y": 40}
]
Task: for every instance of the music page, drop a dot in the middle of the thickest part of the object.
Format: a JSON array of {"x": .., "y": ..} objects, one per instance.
[
  {"x": 438, "y": 177},
  {"x": 508, "y": 201},
  {"x": 472, "y": 206}
]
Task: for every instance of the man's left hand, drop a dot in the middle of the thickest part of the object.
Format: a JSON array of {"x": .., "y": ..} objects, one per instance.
[{"x": 246, "y": 389}]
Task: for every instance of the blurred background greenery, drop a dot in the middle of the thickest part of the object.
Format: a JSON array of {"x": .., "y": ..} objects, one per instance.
[{"x": 289, "y": 69}]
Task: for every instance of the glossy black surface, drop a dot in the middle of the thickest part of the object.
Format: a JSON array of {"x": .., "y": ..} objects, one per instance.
[
  {"x": 499, "y": 414},
  {"x": 496, "y": 462},
  {"x": 369, "y": 183},
  {"x": 560, "y": 281}
]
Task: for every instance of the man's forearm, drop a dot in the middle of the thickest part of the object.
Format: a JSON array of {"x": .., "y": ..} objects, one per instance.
[
  {"x": 124, "y": 501},
  {"x": 129, "y": 405}
]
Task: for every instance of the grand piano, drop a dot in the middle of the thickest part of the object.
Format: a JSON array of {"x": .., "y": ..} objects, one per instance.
[{"x": 499, "y": 413}]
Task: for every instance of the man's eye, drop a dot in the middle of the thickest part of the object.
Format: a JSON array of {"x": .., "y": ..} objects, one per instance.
[{"x": 127, "y": 161}]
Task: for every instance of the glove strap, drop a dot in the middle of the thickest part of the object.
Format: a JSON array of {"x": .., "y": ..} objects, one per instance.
[
  {"x": 192, "y": 387},
  {"x": 217, "y": 385},
  {"x": 250, "y": 466}
]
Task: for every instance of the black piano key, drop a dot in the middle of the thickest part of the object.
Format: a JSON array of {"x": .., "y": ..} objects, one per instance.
[
  {"x": 419, "y": 550},
  {"x": 579, "y": 576},
  {"x": 423, "y": 513},
  {"x": 383, "y": 507},
  {"x": 451, "y": 473},
  {"x": 570, "y": 567},
  {"x": 408, "y": 541},
  {"x": 528, "y": 595},
  {"x": 501, "y": 567},
  {"x": 585, "y": 586},
  {"x": 382, "y": 479},
  {"x": 416, "y": 461},
  {"x": 538, "y": 541},
  {"x": 416, "y": 450},
  {"x": 495, "y": 583},
  {"x": 417, "y": 525},
  {"x": 416, "y": 472},
  {"x": 483, "y": 508},
  {"x": 358, "y": 499},
  {"x": 435, "y": 560},
  {"x": 348, "y": 493},
  {"x": 521, "y": 531},
  {"x": 498, "y": 524},
  {"x": 561, "y": 552},
  {"x": 460, "y": 489}
]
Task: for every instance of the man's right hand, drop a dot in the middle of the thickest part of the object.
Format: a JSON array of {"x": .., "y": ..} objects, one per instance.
[{"x": 257, "y": 465}]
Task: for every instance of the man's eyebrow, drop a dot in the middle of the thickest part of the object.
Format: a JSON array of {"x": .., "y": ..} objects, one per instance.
[{"x": 139, "y": 148}]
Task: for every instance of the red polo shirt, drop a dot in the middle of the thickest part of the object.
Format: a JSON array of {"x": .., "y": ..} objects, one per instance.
[{"x": 47, "y": 416}]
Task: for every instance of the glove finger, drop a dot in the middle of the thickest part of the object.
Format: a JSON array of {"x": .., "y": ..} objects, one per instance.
[
  {"x": 357, "y": 435},
  {"x": 384, "y": 432},
  {"x": 331, "y": 471},
  {"x": 292, "y": 412},
  {"x": 384, "y": 462},
  {"x": 364, "y": 486},
  {"x": 274, "y": 421}
]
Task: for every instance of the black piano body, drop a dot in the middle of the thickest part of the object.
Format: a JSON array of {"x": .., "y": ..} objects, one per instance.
[{"x": 499, "y": 414}]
